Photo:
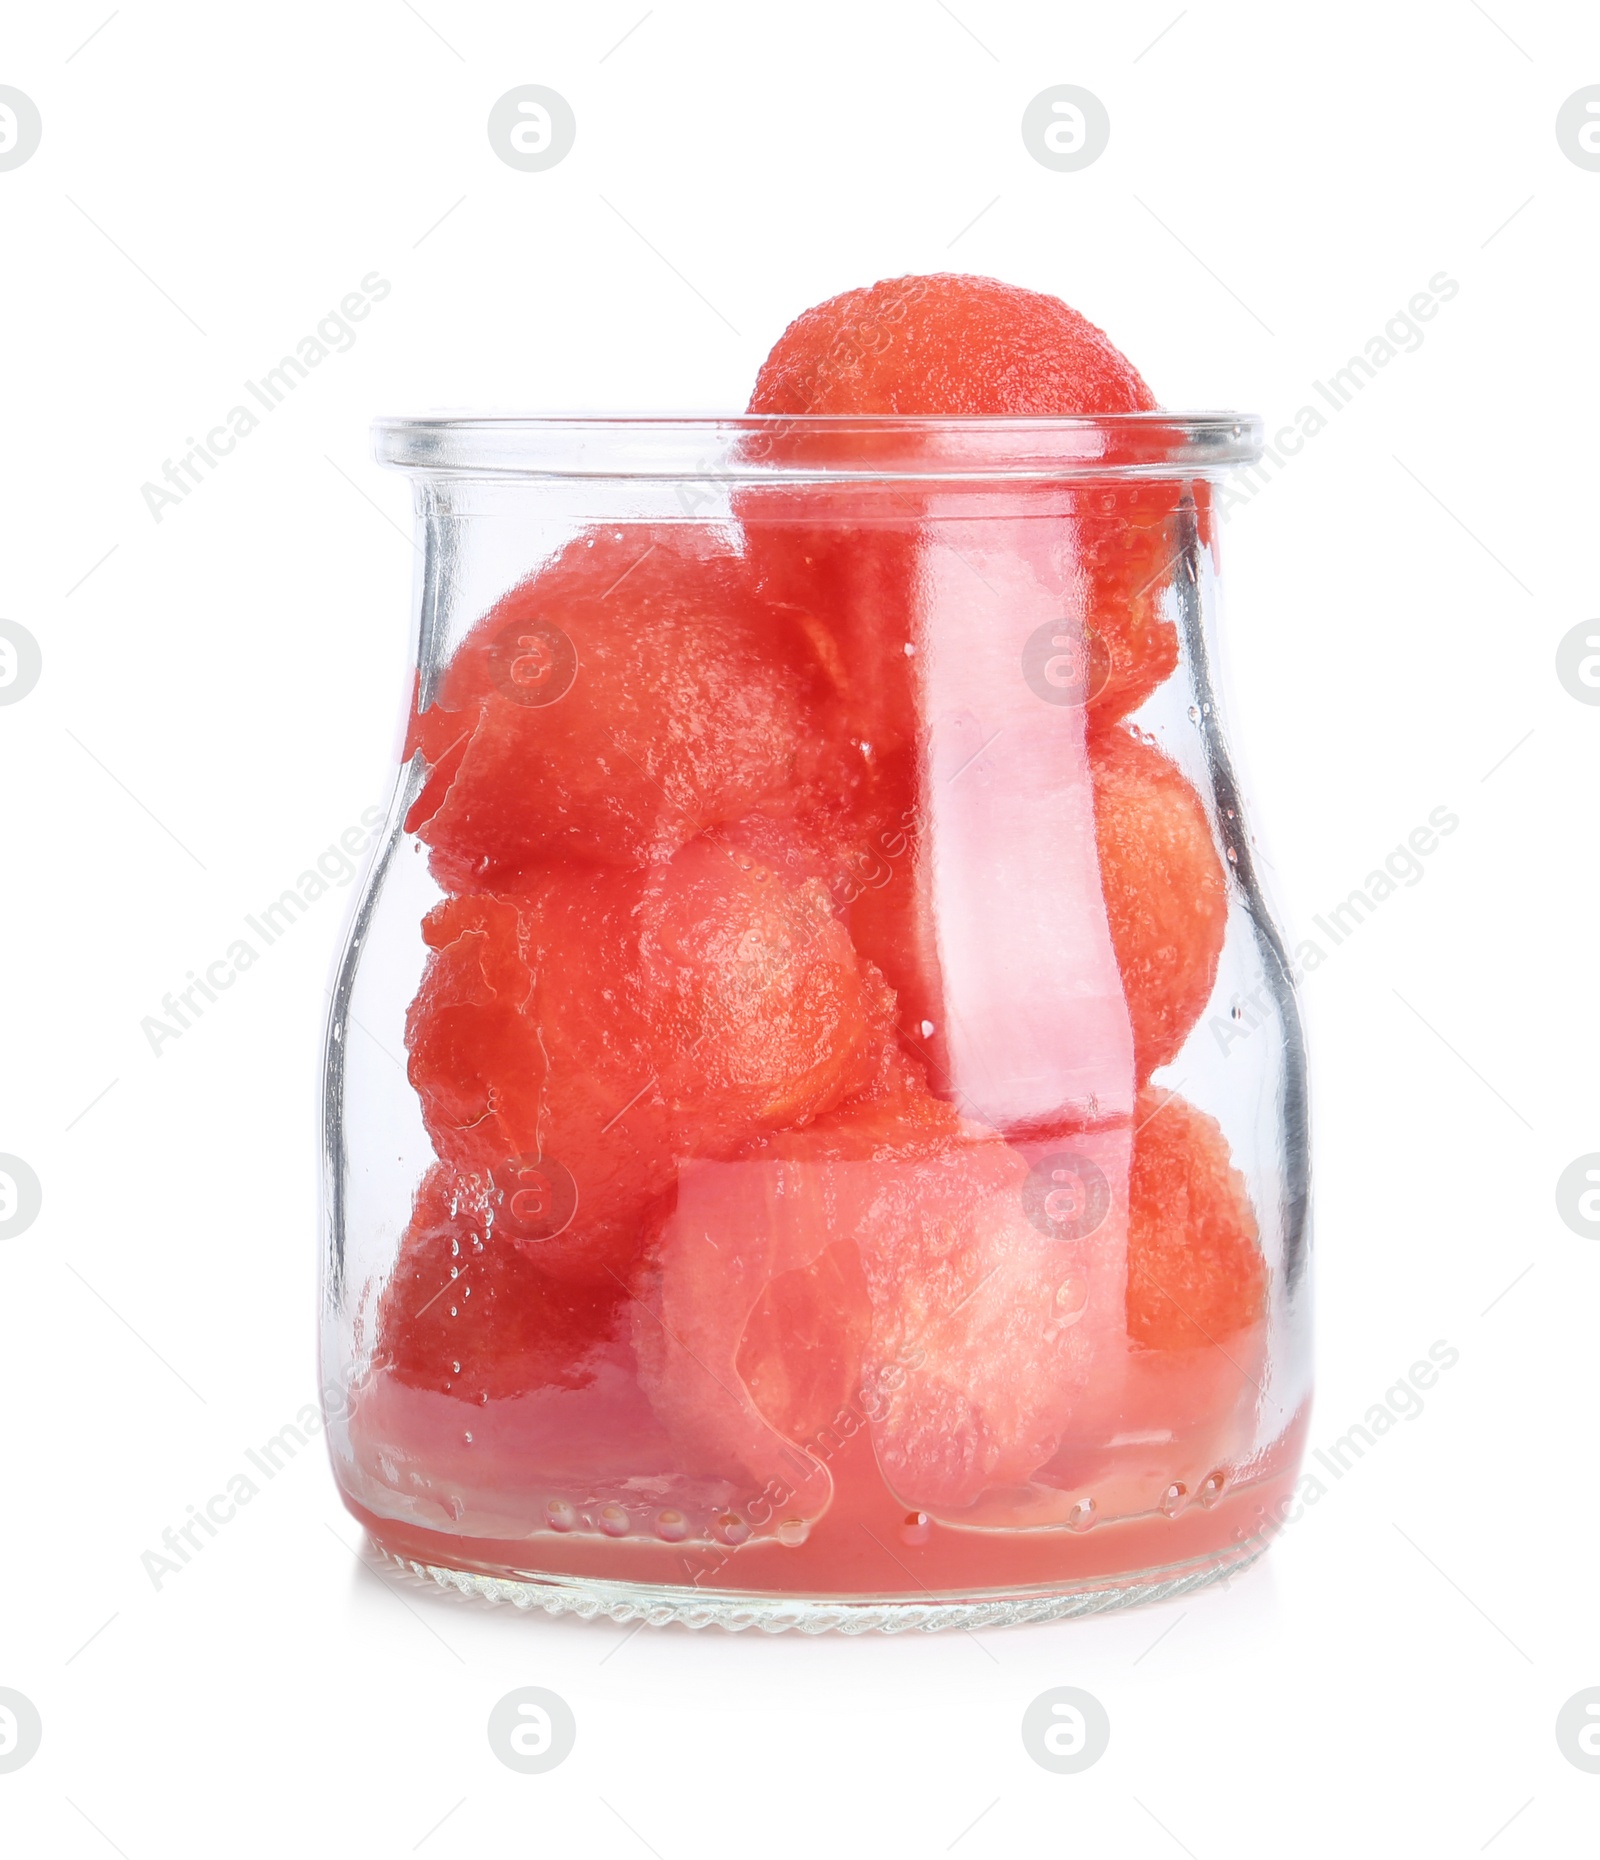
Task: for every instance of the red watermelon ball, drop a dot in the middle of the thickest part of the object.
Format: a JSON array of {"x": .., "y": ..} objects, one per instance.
[
  {"x": 571, "y": 1043},
  {"x": 632, "y": 693},
  {"x": 468, "y": 1313},
  {"x": 948, "y": 345},
  {"x": 1196, "y": 1274},
  {"x": 1166, "y": 897}
]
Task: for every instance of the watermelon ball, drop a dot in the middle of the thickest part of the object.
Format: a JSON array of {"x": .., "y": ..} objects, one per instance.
[
  {"x": 1196, "y": 1275},
  {"x": 526, "y": 1060},
  {"x": 632, "y": 693},
  {"x": 972, "y": 1374},
  {"x": 761, "y": 1012},
  {"x": 467, "y": 1313},
  {"x": 879, "y": 1261},
  {"x": 946, "y": 345},
  {"x": 1165, "y": 894},
  {"x": 753, "y": 1316},
  {"x": 571, "y": 1043},
  {"x": 1126, "y": 538}
]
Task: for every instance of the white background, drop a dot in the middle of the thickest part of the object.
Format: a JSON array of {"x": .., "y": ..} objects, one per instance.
[{"x": 219, "y": 702}]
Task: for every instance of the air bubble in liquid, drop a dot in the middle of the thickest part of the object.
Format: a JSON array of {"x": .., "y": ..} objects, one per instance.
[
  {"x": 730, "y": 1527},
  {"x": 1072, "y": 1297}
]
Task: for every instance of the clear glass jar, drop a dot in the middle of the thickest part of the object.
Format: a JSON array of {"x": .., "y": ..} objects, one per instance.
[{"x": 815, "y": 1105}]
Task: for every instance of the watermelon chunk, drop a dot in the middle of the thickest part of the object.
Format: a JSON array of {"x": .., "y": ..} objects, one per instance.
[
  {"x": 1166, "y": 898},
  {"x": 470, "y": 1314},
  {"x": 963, "y": 1330},
  {"x": 571, "y": 1042},
  {"x": 1196, "y": 1274},
  {"x": 956, "y": 345},
  {"x": 632, "y": 693},
  {"x": 946, "y": 344}
]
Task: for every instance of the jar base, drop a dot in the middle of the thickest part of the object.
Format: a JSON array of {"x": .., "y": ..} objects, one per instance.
[{"x": 657, "y": 1606}]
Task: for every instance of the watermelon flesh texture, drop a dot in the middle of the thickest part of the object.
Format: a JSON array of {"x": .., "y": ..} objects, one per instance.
[{"x": 921, "y": 1296}]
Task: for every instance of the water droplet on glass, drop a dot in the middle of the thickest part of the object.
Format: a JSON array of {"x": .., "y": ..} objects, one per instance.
[
  {"x": 1238, "y": 1012},
  {"x": 794, "y": 1532},
  {"x": 1081, "y": 1515},
  {"x": 614, "y": 1520},
  {"x": 672, "y": 1525},
  {"x": 1194, "y": 713},
  {"x": 916, "y": 1528},
  {"x": 927, "y": 1030},
  {"x": 561, "y": 1516},
  {"x": 1211, "y": 1487},
  {"x": 1172, "y": 1499}
]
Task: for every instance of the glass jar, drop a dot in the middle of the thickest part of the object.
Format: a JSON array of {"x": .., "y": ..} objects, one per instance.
[{"x": 815, "y": 1105}]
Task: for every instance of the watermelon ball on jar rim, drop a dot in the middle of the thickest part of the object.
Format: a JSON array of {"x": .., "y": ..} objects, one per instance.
[{"x": 956, "y": 345}]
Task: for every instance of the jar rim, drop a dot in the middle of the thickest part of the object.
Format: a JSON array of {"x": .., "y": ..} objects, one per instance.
[{"x": 788, "y": 448}]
